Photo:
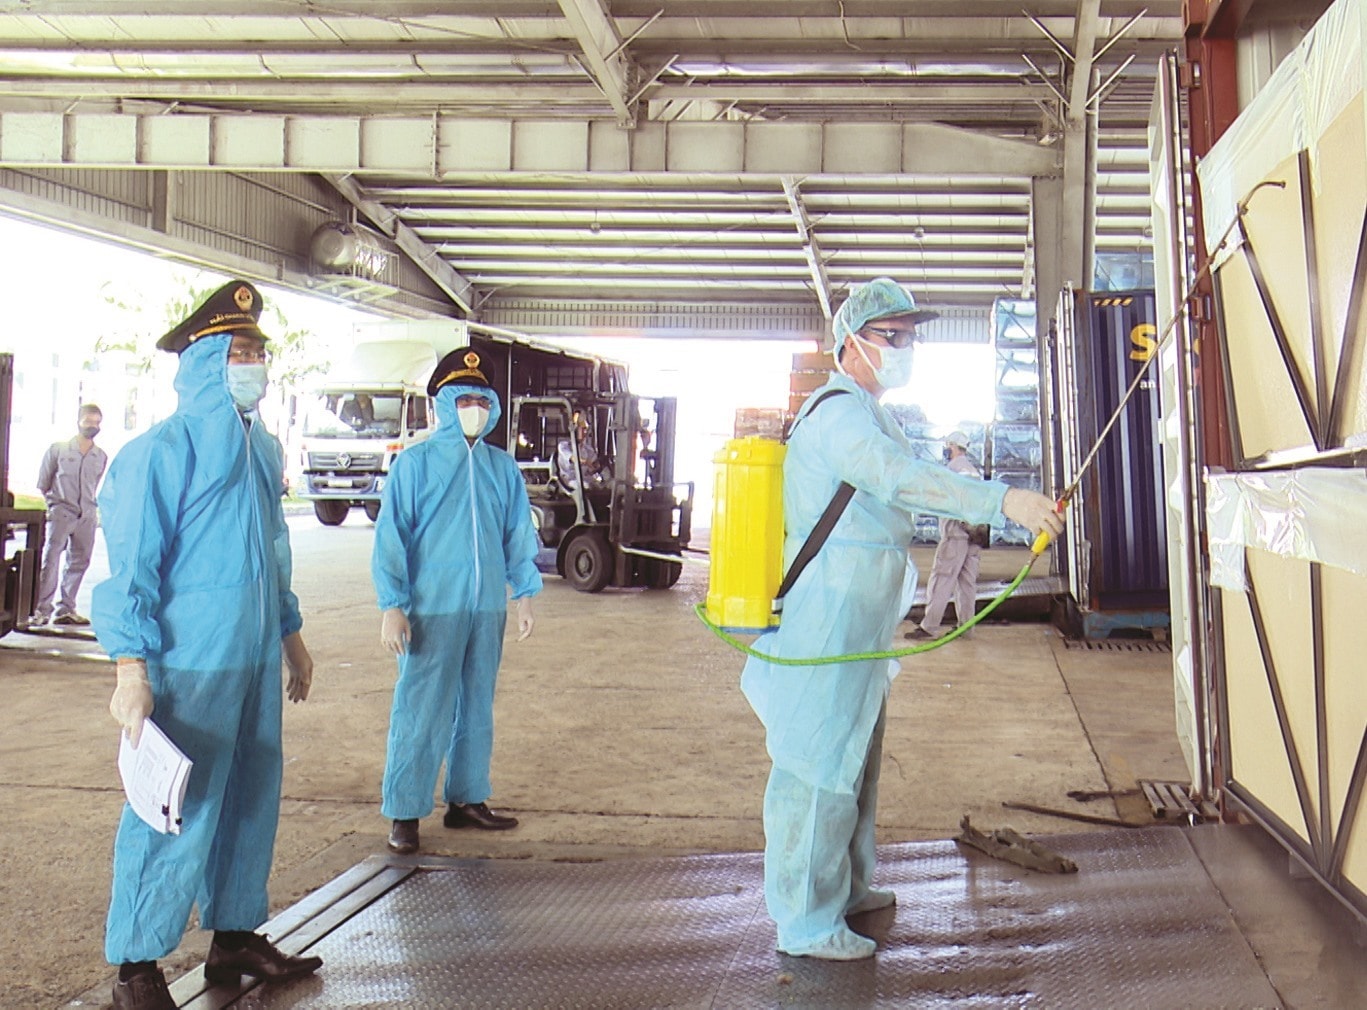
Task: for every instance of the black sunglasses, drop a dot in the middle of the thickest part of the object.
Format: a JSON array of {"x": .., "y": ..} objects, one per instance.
[{"x": 895, "y": 338}]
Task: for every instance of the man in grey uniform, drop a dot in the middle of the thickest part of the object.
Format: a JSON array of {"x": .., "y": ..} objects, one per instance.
[
  {"x": 68, "y": 476},
  {"x": 954, "y": 572}
]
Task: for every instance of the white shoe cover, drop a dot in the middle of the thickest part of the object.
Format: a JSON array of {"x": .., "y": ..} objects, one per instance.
[
  {"x": 844, "y": 945},
  {"x": 872, "y": 901}
]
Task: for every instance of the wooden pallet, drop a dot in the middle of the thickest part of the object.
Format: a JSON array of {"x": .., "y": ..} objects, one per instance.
[{"x": 1169, "y": 800}]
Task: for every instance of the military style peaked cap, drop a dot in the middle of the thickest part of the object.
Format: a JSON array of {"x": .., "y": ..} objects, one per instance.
[
  {"x": 233, "y": 308},
  {"x": 464, "y": 366}
]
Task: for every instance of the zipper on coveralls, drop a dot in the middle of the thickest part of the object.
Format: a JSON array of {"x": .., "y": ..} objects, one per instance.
[{"x": 474, "y": 514}]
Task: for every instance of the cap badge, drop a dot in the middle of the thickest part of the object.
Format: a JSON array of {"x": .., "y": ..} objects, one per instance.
[
  {"x": 471, "y": 360},
  {"x": 242, "y": 297}
]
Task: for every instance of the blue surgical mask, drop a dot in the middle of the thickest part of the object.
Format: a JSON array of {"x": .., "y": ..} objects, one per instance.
[
  {"x": 894, "y": 368},
  {"x": 247, "y": 384}
]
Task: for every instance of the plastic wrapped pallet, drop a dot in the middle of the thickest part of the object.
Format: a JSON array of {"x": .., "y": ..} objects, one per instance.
[{"x": 1296, "y": 161}]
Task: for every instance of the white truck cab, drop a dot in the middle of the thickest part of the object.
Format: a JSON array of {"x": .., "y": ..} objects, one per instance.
[{"x": 360, "y": 417}]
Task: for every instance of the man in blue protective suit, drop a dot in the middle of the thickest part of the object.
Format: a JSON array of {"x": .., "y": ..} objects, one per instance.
[
  {"x": 824, "y": 724},
  {"x": 196, "y": 613},
  {"x": 455, "y": 531}
]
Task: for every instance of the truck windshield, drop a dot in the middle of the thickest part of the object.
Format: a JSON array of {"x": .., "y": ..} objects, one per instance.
[{"x": 354, "y": 415}]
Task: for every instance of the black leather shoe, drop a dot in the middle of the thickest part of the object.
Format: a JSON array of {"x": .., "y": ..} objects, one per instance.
[
  {"x": 146, "y": 990},
  {"x": 258, "y": 958},
  {"x": 476, "y": 815},
  {"x": 918, "y": 634},
  {"x": 403, "y": 837}
]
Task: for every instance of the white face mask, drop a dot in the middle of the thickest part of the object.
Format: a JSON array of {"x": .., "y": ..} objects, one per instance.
[
  {"x": 894, "y": 369},
  {"x": 473, "y": 419}
]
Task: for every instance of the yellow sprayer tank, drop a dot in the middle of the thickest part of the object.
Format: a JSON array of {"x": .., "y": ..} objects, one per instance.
[{"x": 747, "y": 534}]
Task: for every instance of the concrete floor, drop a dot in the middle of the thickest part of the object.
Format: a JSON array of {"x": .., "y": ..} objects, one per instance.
[{"x": 621, "y": 733}]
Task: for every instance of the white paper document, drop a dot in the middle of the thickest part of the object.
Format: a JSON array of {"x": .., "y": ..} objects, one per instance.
[{"x": 155, "y": 775}]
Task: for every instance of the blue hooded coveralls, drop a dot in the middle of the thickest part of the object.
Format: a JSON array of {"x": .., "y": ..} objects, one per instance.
[
  {"x": 199, "y": 588},
  {"x": 824, "y": 724},
  {"x": 455, "y": 528}
]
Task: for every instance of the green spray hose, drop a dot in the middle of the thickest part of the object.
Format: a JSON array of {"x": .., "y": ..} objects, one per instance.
[{"x": 1041, "y": 542}]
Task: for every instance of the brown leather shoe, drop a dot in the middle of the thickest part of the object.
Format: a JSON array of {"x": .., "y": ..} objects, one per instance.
[
  {"x": 259, "y": 958},
  {"x": 146, "y": 990},
  {"x": 476, "y": 815}
]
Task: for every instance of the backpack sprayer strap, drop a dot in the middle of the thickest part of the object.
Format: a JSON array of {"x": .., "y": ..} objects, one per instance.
[{"x": 817, "y": 538}]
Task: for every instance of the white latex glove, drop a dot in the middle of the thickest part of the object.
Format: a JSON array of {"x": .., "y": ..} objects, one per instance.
[
  {"x": 525, "y": 620},
  {"x": 132, "y": 701},
  {"x": 394, "y": 631},
  {"x": 300, "y": 666},
  {"x": 1032, "y": 510}
]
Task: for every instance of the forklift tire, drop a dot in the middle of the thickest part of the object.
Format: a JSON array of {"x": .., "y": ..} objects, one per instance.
[
  {"x": 372, "y": 510},
  {"x": 588, "y": 563},
  {"x": 330, "y": 513},
  {"x": 663, "y": 574}
]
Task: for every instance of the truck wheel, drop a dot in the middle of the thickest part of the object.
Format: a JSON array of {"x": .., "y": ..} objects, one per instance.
[
  {"x": 331, "y": 513},
  {"x": 588, "y": 563},
  {"x": 372, "y": 510}
]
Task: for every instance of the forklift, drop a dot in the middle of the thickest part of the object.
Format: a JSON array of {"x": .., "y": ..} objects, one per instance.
[
  {"x": 22, "y": 564},
  {"x": 620, "y": 518}
]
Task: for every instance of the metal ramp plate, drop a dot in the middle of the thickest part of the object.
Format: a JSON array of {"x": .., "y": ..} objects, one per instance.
[{"x": 1140, "y": 925}]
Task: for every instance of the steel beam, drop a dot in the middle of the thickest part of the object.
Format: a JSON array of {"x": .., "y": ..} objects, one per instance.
[
  {"x": 275, "y": 9},
  {"x": 1076, "y": 212},
  {"x": 1084, "y": 49},
  {"x": 602, "y": 45},
  {"x": 444, "y": 147},
  {"x": 745, "y": 11},
  {"x": 560, "y": 90},
  {"x": 870, "y": 92},
  {"x": 1046, "y": 225},
  {"x": 810, "y": 249},
  {"x": 566, "y": 87}
]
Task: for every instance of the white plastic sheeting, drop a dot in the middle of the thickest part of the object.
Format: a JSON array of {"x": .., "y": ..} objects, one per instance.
[
  {"x": 1311, "y": 88},
  {"x": 1315, "y": 514}
]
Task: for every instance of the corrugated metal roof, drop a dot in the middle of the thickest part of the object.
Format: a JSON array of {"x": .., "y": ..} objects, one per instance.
[{"x": 705, "y": 235}]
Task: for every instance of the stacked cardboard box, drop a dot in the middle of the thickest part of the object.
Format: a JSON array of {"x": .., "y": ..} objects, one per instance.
[
  {"x": 763, "y": 422},
  {"x": 810, "y": 372}
]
